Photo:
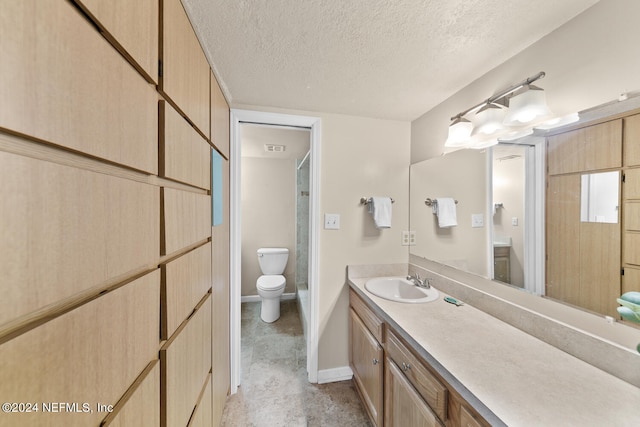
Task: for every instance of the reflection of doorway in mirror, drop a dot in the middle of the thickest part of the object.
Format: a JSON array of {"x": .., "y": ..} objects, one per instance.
[{"x": 509, "y": 213}]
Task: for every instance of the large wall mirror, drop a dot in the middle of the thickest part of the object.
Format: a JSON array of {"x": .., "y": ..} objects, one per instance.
[{"x": 585, "y": 251}]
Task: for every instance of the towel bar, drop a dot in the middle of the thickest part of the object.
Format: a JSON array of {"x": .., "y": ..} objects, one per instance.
[
  {"x": 433, "y": 202},
  {"x": 367, "y": 200}
]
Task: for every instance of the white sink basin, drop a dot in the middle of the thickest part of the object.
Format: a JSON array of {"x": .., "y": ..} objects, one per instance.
[{"x": 400, "y": 289}]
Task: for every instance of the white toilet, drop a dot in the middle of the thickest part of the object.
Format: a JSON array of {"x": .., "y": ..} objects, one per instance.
[{"x": 271, "y": 284}]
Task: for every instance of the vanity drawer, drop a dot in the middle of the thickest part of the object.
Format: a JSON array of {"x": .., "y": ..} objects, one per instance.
[
  {"x": 373, "y": 322},
  {"x": 429, "y": 387},
  {"x": 467, "y": 419}
]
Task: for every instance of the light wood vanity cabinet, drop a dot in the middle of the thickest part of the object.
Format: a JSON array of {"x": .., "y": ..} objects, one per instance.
[
  {"x": 398, "y": 387},
  {"x": 366, "y": 357}
]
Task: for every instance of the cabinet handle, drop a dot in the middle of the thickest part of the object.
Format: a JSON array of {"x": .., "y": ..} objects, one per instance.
[
  {"x": 405, "y": 366},
  {"x": 376, "y": 361}
]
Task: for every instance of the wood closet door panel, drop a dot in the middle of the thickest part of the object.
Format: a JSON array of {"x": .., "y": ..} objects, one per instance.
[
  {"x": 186, "y": 219},
  {"x": 67, "y": 230},
  {"x": 219, "y": 118},
  {"x": 588, "y": 149},
  {"x": 202, "y": 417},
  {"x": 142, "y": 404},
  {"x": 184, "y": 155},
  {"x": 90, "y": 355},
  {"x": 134, "y": 25},
  {"x": 185, "y": 70},
  {"x": 185, "y": 281},
  {"x": 563, "y": 238},
  {"x": 73, "y": 90},
  {"x": 185, "y": 363},
  {"x": 632, "y": 140}
]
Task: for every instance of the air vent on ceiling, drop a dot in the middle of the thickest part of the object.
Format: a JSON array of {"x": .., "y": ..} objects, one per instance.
[{"x": 272, "y": 148}]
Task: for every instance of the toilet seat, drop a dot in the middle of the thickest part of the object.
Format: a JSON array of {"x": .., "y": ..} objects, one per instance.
[{"x": 271, "y": 282}]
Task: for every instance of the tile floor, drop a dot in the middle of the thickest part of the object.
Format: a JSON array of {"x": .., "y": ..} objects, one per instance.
[{"x": 274, "y": 390}]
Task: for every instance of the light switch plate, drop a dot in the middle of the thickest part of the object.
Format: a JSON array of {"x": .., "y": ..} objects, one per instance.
[
  {"x": 477, "y": 220},
  {"x": 332, "y": 221}
]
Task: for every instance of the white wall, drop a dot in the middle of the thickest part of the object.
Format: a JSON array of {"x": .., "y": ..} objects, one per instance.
[
  {"x": 588, "y": 61},
  {"x": 360, "y": 157}
]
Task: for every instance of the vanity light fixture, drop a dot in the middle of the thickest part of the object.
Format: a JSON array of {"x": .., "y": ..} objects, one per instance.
[
  {"x": 513, "y": 109},
  {"x": 459, "y": 132},
  {"x": 489, "y": 119},
  {"x": 558, "y": 121},
  {"x": 526, "y": 105}
]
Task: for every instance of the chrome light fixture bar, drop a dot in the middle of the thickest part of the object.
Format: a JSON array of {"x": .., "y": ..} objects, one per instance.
[{"x": 526, "y": 104}]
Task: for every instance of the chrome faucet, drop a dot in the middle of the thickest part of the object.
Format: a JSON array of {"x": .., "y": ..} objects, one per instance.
[{"x": 422, "y": 283}]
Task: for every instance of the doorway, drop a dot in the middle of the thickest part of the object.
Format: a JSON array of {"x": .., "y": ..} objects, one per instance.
[{"x": 240, "y": 119}]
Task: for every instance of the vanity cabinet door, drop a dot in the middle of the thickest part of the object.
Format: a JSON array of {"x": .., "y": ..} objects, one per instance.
[
  {"x": 403, "y": 405},
  {"x": 366, "y": 360}
]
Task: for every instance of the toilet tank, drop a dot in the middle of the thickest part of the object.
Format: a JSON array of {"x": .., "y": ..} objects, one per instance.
[{"x": 273, "y": 260}]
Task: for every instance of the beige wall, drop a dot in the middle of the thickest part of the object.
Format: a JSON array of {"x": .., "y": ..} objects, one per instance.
[
  {"x": 589, "y": 61},
  {"x": 268, "y": 216},
  {"x": 360, "y": 157},
  {"x": 461, "y": 175}
]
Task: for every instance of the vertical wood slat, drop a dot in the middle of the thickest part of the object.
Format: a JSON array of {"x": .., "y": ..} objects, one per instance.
[
  {"x": 219, "y": 118},
  {"x": 65, "y": 230},
  {"x": 186, "y": 219},
  {"x": 74, "y": 89},
  {"x": 185, "y": 365},
  {"x": 185, "y": 281},
  {"x": 89, "y": 355},
  {"x": 133, "y": 25},
  {"x": 221, "y": 379},
  {"x": 185, "y": 70},
  {"x": 184, "y": 154}
]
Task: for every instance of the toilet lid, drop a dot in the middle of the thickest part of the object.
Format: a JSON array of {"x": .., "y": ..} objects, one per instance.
[{"x": 269, "y": 281}]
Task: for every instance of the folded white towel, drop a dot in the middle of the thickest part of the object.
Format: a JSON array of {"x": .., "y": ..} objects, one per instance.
[
  {"x": 380, "y": 208},
  {"x": 446, "y": 211}
]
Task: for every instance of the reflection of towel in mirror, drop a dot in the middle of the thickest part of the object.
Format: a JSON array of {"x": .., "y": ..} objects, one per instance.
[
  {"x": 446, "y": 211},
  {"x": 380, "y": 208}
]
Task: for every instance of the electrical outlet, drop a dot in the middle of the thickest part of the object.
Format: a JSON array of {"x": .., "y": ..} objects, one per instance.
[
  {"x": 514, "y": 221},
  {"x": 412, "y": 238},
  {"x": 405, "y": 238}
]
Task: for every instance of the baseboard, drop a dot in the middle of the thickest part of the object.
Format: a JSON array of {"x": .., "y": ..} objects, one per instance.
[
  {"x": 256, "y": 298},
  {"x": 333, "y": 375}
]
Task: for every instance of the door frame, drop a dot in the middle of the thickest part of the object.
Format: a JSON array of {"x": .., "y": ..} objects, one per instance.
[{"x": 237, "y": 117}]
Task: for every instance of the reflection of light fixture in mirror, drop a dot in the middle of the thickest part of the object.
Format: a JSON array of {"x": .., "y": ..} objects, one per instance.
[
  {"x": 558, "y": 121},
  {"x": 516, "y": 134},
  {"x": 489, "y": 119},
  {"x": 526, "y": 105},
  {"x": 459, "y": 132},
  {"x": 485, "y": 143}
]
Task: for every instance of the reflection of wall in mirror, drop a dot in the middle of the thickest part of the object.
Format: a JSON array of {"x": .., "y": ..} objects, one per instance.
[
  {"x": 508, "y": 220},
  {"x": 461, "y": 175}
]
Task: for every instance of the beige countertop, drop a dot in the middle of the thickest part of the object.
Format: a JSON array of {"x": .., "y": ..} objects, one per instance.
[{"x": 522, "y": 380}]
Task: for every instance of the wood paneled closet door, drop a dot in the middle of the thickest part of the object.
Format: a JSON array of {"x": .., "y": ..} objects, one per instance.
[{"x": 583, "y": 258}]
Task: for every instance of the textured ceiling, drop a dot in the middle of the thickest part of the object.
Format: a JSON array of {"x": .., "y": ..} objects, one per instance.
[{"x": 393, "y": 59}]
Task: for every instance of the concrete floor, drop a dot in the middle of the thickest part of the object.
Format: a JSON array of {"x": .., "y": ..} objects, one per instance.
[{"x": 274, "y": 390}]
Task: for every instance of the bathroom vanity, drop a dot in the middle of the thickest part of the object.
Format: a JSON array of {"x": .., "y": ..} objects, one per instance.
[
  {"x": 397, "y": 386},
  {"x": 438, "y": 364}
]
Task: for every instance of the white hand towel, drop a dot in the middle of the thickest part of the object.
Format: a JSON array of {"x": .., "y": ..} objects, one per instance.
[
  {"x": 446, "y": 212},
  {"x": 380, "y": 208}
]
